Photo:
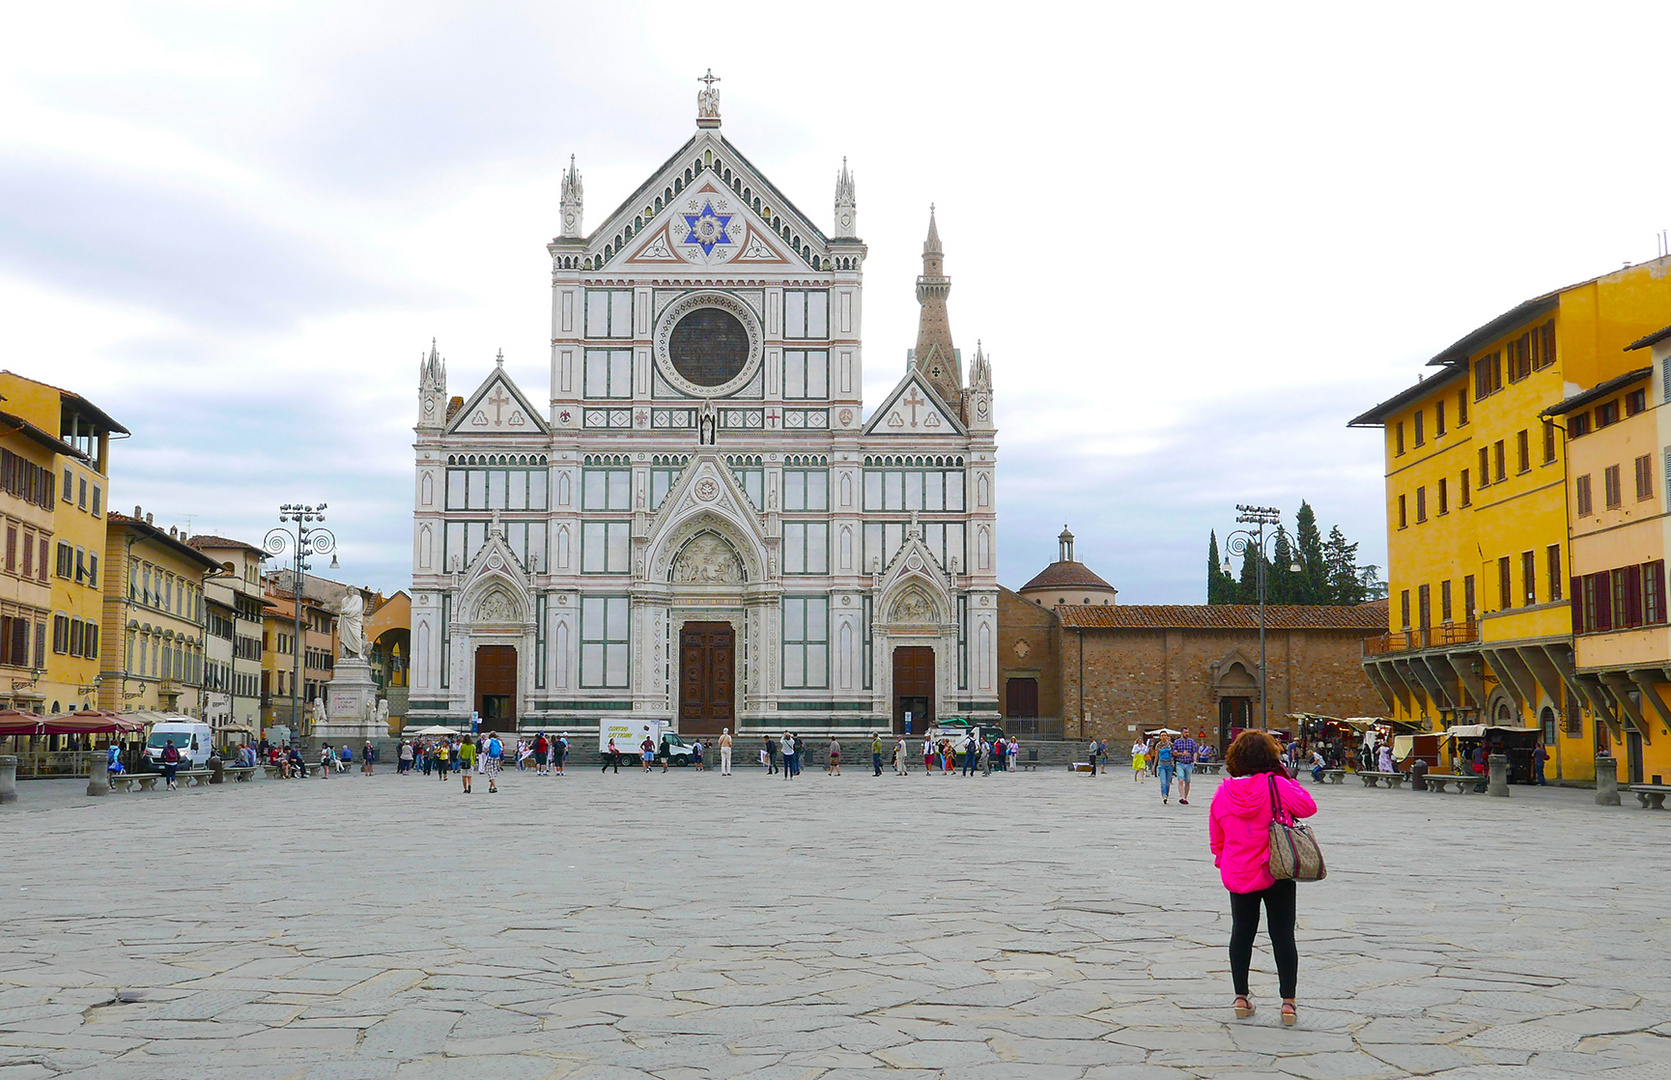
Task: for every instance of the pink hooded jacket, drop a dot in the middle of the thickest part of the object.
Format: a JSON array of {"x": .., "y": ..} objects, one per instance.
[{"x": 1238, "y": 827}]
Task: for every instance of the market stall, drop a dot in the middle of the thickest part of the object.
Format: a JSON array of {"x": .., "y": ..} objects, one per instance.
[{"x": 1514, "y": 743}]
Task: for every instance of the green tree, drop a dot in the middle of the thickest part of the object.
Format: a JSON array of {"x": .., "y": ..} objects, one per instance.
[
  {"x": 1280, "y": 582},
  {"x": 1313, "y": 584},
  {"x": 1215, "y": 572},
  {"x": 1247, "y": 589},
  {"x": 1345, "y": 577}
]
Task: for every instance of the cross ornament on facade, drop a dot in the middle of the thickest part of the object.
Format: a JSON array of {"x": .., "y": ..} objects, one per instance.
[
  {"x": 915, "y": 401},
  {"x": 499, "y": 400},
  {"x": 709, "y": 79},
  {"x": 771, "y": 417}
]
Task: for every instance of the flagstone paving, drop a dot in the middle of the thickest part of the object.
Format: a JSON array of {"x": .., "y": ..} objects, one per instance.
[{"x": 688, "y": 926}]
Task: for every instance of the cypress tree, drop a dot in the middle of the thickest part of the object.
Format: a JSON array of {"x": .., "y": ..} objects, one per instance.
[
  {"x": 1313, "y": 586},
  {"x": 1215, "y": 572},
  {"x": 1280, "y": 581},
  {"x": 1341, "y": 557}
]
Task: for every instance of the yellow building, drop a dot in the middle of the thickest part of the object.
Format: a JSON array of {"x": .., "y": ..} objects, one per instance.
[
  {"x": 28, "y": 486},
  {"x": 70, "y": 675},
  {"x": 1480, "y": 628},
  {"x": 388, "y": 630},
  {"x": 154, "y": 619},
  {"x": 1617, "y": 499}
]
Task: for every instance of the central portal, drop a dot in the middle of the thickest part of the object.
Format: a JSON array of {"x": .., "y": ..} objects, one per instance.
[
  {"x": 913, "y": 688},
  {"x": 496, "y": 687},
  {"x": 707, "y": 677}
]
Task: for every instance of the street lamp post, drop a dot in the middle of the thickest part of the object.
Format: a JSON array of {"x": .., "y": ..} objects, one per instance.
[
  {"x": 1237, "y": 542},
  {"x": 303, "y": 540}
]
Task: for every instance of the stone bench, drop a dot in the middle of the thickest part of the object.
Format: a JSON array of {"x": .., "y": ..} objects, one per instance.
[
  {"x": 240, "y": 773},
  {"x": 193, "y": 777},
  {"x": 1082, "y": 766},
  {"x": 1209, "y": 768},
  {"x": 1651, "y": 796},
  {"x": 1334, "y": 776},
  {"x": 1371, "y": 779},
  {"x": 145, "y": 781},
  {"x": 1464, "y": 782}
]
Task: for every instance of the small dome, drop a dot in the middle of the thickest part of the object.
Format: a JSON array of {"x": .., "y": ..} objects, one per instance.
[{"x": 1065, "y": 574}]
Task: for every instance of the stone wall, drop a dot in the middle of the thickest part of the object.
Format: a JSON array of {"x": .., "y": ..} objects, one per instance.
[{"x": 1029, "y": 646}]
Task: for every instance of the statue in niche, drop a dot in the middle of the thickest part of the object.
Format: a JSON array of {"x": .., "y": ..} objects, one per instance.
[
  {"x": 913, "y": 607},
  {"x": 497, "y": 607},
  {"x": 707, "y": 560}
]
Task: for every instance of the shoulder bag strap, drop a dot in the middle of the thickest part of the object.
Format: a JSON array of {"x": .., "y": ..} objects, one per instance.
[{"x": 1276, "y": 801}]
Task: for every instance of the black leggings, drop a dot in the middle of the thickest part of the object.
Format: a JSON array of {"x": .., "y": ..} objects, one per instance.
[{"x": 1279, "y": 921}]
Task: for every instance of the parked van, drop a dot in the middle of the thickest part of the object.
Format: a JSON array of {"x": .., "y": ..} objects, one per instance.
[{"x": 191, "y": 737}]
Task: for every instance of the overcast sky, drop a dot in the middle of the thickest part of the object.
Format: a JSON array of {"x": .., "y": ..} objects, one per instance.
[{"x": 1195, "y": 239}]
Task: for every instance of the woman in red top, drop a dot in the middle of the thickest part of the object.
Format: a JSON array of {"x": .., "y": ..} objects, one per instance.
[{"x": 1238, "y": 827}]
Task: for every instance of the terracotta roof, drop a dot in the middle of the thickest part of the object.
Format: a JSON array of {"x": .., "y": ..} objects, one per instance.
[
  {"x": 1596, "y": 393},
  {"x": 20, "y": 426},
  {"x": 162, "y": 537},
  {"x": 1652, "y": 339},
  {"x": 1059, "y": 575},
  {"x": 211, "y": 542},
  {"x": 1367, "y": 617}
]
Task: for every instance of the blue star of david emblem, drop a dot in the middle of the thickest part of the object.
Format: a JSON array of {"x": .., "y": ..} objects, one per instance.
[{"x": 707, "y": 229}]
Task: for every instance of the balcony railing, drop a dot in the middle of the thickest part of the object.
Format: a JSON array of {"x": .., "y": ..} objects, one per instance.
[{"x": 1431, "y": 637}]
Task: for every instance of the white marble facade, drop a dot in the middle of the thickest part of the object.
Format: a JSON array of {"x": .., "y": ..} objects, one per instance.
[{"x": 703, "y": 524}]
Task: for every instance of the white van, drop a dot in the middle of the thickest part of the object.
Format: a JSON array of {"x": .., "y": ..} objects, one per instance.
[{"x": 191, "y": 737}]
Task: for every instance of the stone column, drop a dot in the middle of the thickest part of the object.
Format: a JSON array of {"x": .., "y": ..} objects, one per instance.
[
  {"x": 8, "y": 778},
  {"x": 98, "y": 773},
  {"x": 1498, "y": 772},
  {"x": 1607, "y": 781}
]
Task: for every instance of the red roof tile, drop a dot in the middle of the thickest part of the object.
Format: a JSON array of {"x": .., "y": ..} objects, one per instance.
[
  {"x": 1370, "y": 617},
  {"x": 1061, "y": 575}
]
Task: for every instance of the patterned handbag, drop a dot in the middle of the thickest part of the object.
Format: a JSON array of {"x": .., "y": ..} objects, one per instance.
[{"x": 1294, "y": 850}]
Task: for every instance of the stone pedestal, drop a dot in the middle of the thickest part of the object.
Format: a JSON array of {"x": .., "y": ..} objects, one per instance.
[
  {"x": 350, "y": 706},
  {"x": 98, "y": 773},
  {"x": 1607, "y": 781},
  {"x": 1497, "y": 771},
  {"x": 8, "y": 778}
]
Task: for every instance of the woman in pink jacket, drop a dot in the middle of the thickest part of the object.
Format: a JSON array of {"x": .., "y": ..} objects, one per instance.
[{"x": 1238, "y": 827}]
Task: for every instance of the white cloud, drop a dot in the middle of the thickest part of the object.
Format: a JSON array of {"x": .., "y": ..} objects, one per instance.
[{"x": 1196, "y": 240}]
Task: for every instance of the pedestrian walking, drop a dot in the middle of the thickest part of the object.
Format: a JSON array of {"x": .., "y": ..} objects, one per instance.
[
  {"x": 1091, "y": 752},
  {"x": 560, "y": 753},
  {"x": 928, "y": 757},
  {"x": 769, "y": 756},
  {"x": 1386, "y": 762},
  {"x": 612, "y": 756},
  {"x": 695, "y": 755},
  {"x": 365, "y": 758},
  {"x": 466, "y": 763},
  {"x": 787, "y": 745},
  {"x": 542, "y": 755},
  {"x": 1183, "y": 760},
  {"x": 495, "y": 760},
  {"x": 900, "y": 754},
  {"x": 1539, "y": 757},
  {"x": 326, "y": 760},
  {"x": 647, "y": 752},
  {"x": 725, "y": 752},
  {"x": 1238, "y": 831},
  {"x": 1163, "y": 762},
  {"x": 170, "y": 764},
  {"x": 1139, "y": 759},
  {"x": 834, "y": 766},
  {"x": 443, "y": 760},
  {"x": 876, "y": 751}
]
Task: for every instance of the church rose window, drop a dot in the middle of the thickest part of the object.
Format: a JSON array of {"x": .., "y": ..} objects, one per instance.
[{"x": 709, "y": 347}]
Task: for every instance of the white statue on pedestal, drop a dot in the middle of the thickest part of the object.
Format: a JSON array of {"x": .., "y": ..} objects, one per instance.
[{"x": 351, "y": 625}]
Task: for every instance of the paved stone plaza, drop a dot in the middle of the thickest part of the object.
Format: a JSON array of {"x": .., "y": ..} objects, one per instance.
[{"x": 690, "y": 926}]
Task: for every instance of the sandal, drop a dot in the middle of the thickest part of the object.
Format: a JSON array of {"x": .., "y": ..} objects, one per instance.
[
  {"x": 1244, "y": 1007},
  {"x": 1290, "y": 1015}
]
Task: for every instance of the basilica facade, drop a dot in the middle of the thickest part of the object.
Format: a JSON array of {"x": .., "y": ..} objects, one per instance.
[{"x": 702, "y": 524}]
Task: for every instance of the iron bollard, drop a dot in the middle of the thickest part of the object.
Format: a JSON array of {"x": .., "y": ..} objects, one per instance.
[
  {"x": 1607, "y": 781},
  {"x": 8, "y": 778},
  {"x": 1498, "y": 782},
  {"x": 98, "y": 773}
]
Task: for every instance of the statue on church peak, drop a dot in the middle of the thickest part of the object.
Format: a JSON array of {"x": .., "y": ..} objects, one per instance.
[{"x": 707, "y": 98}]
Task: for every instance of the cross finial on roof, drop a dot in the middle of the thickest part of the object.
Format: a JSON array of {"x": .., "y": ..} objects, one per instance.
[
  {"x": 500, "y": 359},
  {"x": 709, "y": 79}
]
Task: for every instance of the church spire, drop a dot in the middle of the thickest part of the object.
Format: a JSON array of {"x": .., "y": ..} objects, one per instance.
[
  {"x": 571, "y": 201},
  {"x": 432, "y": 388},
  {"x": 846, "y": 206},
  {"x": 935, "y": 358}
]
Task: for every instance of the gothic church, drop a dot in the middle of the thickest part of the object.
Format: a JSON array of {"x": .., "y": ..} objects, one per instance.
[{"x": 704, "y": 526}]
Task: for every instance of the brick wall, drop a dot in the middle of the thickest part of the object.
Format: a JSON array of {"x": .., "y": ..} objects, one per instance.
[
  {"x": 1029, "y": 646},
  {"x": 1164, "y": 677}
]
